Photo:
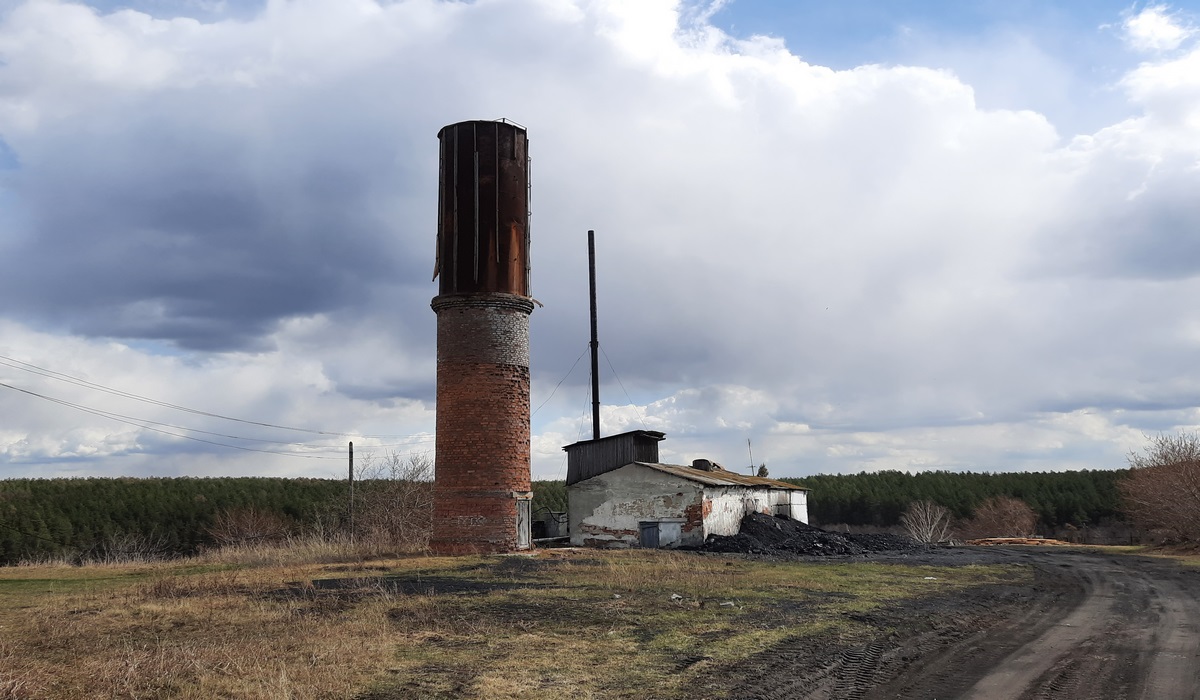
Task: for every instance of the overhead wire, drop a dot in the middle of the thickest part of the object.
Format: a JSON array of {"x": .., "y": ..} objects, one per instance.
[
  {"x": 28, "y": 534},
  {"x": 582, "y": 420},
  {"x": 147, "y": 424},
  {"x": 560, "y": 382},
  {"x": 142, "y": 424},
  {"x": 59, "y": 376},
  {"x": 408, "y": 439},
  {"x": 631, "y": 402},
  {"x": 138, "y": 421}
]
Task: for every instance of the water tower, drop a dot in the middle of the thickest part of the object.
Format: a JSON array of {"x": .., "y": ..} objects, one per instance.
[{"x": 482, "y": 486}]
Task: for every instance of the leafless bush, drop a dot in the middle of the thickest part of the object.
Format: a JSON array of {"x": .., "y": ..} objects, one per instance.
[
  {"x": 1001, "y": 516},
  {"x": 926, "y": 522},
  {"x": 125, "y": 548},
  {"x": 242, "y": 525},
  {"x": 1162, "y": 491},
  {"x": 394, "y": 501}
]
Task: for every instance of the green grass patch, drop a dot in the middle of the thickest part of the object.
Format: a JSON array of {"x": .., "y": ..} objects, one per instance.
[{"x": 22, "y": 586}]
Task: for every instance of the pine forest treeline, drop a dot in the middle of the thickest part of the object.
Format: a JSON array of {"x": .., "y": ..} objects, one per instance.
[
  {"x": 1077, "y": 498},
  {"x": 43, "y": 518},
  {"x": 170, "y": 516},
  {"x": 93, "y": 517}
]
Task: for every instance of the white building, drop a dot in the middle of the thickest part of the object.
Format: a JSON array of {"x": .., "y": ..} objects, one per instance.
[{"x": 619, "y": 495}]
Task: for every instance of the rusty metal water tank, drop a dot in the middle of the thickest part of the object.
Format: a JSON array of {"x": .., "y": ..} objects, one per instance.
[{"x": 483, "y": 209}]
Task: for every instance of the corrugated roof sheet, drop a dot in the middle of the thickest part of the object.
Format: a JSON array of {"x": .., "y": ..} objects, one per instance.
[
  {"x": 590, "y": 458},
  {"x": 647, "y": 434},
  {"x": 721, "y": 477}
]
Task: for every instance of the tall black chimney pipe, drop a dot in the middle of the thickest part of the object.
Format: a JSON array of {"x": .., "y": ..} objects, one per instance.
[{"x": 595, "y": 344}]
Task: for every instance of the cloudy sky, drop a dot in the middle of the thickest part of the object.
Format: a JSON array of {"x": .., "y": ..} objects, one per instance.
[{"x": 862, "y": 235}]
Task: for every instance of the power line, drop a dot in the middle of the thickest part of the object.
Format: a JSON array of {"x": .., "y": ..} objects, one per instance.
[
  {"x": 416, "y": 439},
  {"x": 59, "y": 376},
  {"x": 29, "y": 534},
  {"x": 588, "y": 397},
  {"x": 560, "y": 382},
  {"x": 631, "y": 403},
  {"x": 139, "y": 421},
  {"x": 582, "y": 419},
  {"x": 143, "y": 425}
]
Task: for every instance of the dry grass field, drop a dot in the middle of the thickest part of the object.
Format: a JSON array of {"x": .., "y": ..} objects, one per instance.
[{"x": 562, "y": 623}]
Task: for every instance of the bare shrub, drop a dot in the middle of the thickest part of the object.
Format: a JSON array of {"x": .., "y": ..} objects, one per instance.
[
  {"x": 394, "y": 502},
  {"x": 926, "y": 522},
  {"x": 1001, "y": 516},
  {"x": 125, "y": 548},
  {"x": 1162, "y": 491},
  {"x": 242, "y": 525}
]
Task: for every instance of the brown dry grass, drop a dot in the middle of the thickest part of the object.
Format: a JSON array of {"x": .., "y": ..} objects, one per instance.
[
  {"x": 161, "y": 633},
  {"x": 564, "y": 624}
]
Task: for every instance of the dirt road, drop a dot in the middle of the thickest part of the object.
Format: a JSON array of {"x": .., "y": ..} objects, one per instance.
[{"x": 1093, "y": 626}]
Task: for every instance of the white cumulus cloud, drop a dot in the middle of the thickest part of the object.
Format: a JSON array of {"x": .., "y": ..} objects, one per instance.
[
  {"x": 1156, "y": 28},
  {"x": 858, "y": 268}
]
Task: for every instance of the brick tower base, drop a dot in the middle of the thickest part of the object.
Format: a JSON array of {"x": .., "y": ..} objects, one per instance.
[{"x": 482, "y": 451}]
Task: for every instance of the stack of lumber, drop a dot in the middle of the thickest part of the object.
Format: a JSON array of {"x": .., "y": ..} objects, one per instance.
[{"x": 1038, "y": 541}]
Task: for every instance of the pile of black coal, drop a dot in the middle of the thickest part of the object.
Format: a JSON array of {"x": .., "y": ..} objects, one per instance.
[
  {"x": 765, "y": 534},
  {"x": 886, "y": 542}
]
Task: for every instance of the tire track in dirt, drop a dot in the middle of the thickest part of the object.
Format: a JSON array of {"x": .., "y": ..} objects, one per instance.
[
  {"x": 1176, "y": 662},
  {"x": 937, "y": 666},
  {"x": 1134, "y": 635},
  {"x": 917, "y": 633},
  {"x": 1034, "y": 659},
  {"x": 1093, "y": 626}
]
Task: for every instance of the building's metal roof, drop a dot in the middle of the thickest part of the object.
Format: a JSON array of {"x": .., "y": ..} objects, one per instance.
[
  {"x": 720, "y": 477},
  {"x": 590, "y": 458},
  {"x": 645, "y": 434}
]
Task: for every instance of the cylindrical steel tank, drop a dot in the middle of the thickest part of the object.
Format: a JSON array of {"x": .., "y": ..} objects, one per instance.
[
  {"x": 483, "y": 209},
  {"x": 482, "y": 481}
]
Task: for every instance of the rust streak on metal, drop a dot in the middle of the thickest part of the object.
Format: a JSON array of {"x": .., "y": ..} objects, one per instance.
[{"x": 483, "y": 212}]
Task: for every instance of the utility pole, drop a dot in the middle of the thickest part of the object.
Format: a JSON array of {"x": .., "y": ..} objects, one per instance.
[
  {"x": 751, "y": 449},
  {"x": 595, "y": 344},
  {"x": 352, "y": 492}
]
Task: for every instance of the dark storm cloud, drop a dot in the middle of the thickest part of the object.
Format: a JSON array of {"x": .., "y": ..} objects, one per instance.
[
  {"x": 1158, "y": 241},
  {"x": 1147, "y": 228},
  {"x": 203, "y": 233}
]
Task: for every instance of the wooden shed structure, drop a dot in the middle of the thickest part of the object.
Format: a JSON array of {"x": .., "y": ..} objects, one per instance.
[{"x": 593, "y": 457}]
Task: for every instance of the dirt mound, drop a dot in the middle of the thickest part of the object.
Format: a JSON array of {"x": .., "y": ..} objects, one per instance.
[{"x": 764, "y": 534}]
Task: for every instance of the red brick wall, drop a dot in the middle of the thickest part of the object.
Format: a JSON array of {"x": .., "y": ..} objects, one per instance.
[{"x": 482, "y": 449}]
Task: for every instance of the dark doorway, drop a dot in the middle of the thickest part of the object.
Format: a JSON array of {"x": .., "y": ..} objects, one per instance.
[{"x": 648, "y": 535}]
